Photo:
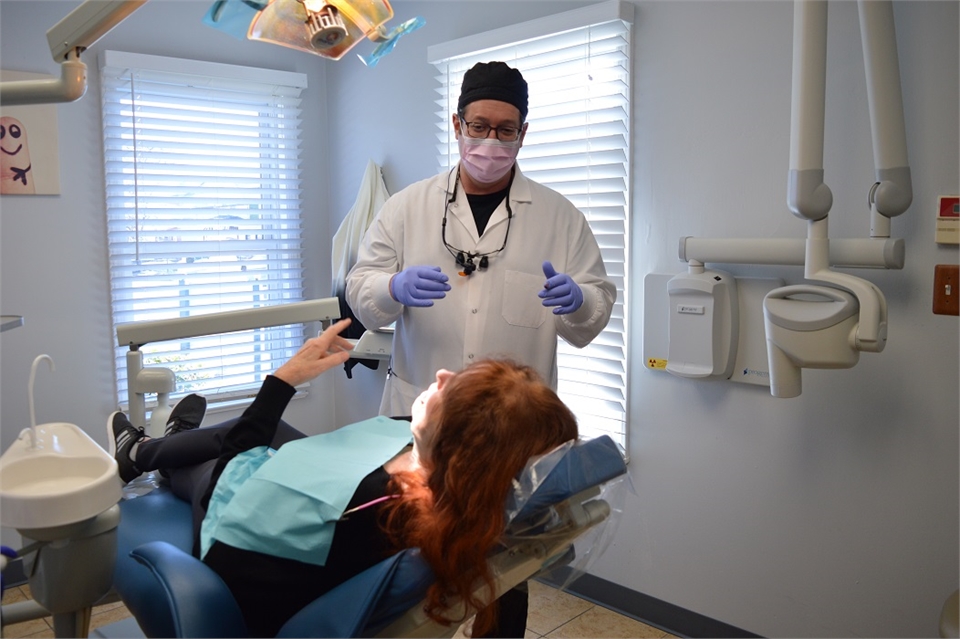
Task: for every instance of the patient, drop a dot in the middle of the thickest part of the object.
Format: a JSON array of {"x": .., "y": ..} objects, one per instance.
[{"x": 473, "y": 432}]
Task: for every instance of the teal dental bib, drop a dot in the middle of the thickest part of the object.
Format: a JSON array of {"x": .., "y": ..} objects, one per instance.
[{"x": 286, "y": 503}]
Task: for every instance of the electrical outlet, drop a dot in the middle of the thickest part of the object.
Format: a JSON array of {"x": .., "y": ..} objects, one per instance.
[{"x": 946, "y": 289}]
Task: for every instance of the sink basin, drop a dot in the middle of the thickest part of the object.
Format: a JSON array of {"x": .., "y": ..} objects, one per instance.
[{"x": 66, "y": 478}]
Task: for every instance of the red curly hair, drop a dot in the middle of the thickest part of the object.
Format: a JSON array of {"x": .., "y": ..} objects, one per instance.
[{"x": 492, "y": 417}]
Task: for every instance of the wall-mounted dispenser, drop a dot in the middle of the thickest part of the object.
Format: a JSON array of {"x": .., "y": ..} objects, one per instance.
[
  {"x": 808, "y": 327},
  {"x": 704, "y": 324}
]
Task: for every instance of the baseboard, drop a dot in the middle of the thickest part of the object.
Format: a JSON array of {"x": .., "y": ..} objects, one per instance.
[{"x": 649, "y": 610}]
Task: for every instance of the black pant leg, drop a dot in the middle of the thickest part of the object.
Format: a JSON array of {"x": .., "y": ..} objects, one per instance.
[
  {"x": 195, "y": 446},
  {"x": 285, "y": 433},
  {"x": 511, "y": 613},
  {"x": 180, "y": 450},
  {"x": 189, "y": 484}
]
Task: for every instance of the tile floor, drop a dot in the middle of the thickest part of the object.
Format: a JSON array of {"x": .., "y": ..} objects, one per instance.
[
  {"x": 101, "y": 616},
  {"x": 553, "y": 614},
  {"x": 557, "y": 614}
]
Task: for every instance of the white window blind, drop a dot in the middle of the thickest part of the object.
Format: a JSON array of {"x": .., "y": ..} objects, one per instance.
[
  {"x": 578, "y": 71},
  {"x": 203, "y": 210}
]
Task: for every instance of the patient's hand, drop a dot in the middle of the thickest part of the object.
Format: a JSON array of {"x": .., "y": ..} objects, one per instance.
[{"x": 317, "y": 356}]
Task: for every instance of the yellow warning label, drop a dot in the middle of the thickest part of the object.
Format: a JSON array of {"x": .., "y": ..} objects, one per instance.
[{"x": 656, "y": 363}]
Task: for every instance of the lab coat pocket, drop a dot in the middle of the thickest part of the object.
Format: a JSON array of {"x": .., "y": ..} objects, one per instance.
[{"x": 521, "y": 305}]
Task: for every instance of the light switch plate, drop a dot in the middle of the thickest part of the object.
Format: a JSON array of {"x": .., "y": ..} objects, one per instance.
[{"x": 946, "y": 289}]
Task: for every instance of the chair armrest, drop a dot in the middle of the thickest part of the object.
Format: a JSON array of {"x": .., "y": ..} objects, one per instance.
[{"x": 182, "y": 597}]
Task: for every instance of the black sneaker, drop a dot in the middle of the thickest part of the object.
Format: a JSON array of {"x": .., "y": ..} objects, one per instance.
[
  {"x": 122, "y": 435},
  {"x": 186, "y": 415}
]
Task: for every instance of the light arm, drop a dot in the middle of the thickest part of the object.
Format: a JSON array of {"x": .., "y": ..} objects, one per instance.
[{"x": 68, "y": 39}]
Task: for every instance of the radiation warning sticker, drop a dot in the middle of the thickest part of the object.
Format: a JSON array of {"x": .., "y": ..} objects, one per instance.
[{"x": 656, "y": 363}]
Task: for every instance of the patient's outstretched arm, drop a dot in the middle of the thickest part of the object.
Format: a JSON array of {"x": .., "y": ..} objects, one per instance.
[
  {"x": 258, "y": 424},
  {"x": 317, "y": 356}
]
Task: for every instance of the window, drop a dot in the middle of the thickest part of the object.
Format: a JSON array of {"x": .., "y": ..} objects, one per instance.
[
  {"x": 203, "y": 210},
  {"x": 577, "y": 66}
]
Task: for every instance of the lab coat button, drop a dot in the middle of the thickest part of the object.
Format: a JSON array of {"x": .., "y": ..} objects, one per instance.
[
  {"x": 474, "y": 311},
  {"x": 470, "y": 356}
]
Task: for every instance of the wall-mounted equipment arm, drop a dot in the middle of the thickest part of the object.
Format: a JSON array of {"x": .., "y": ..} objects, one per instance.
[
  {"x": 807, "y": 196},
  {"x": 68, "y": 39},
  {"x": 893, "y": 191}
]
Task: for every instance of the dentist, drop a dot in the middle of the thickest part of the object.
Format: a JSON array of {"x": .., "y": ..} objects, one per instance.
[{"x": 479, "y": 261}]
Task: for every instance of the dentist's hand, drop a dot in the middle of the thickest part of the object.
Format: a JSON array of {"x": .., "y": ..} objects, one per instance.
[
  {"x": 317, "y": 355},
  {"x": 561, "y": 291},
  {"x": 419, "y": 285}
]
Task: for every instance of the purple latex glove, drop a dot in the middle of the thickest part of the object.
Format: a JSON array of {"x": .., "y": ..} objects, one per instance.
[
  {"x": 561, "y": 291},
  {"x": 419, "y": 285},
  {"x": 5, "y": 552}
]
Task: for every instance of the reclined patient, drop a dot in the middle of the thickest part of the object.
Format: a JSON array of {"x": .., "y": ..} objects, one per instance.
[{"x": 473, "y": 432}]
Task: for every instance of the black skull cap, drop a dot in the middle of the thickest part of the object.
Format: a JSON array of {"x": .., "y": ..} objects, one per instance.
[{"x": 494, "y": 81}]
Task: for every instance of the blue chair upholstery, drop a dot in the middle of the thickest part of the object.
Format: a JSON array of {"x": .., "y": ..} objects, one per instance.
[
  {"x": 156, "y": 516},
  {"x": 198, "y": 603},
  {"x": 173, "y": 594}
]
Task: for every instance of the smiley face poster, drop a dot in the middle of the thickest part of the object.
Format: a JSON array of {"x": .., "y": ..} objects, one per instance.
[{"x": 29, "y": 156}]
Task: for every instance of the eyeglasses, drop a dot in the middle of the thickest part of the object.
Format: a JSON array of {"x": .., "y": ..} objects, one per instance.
[{"x": 482, "y": 130}]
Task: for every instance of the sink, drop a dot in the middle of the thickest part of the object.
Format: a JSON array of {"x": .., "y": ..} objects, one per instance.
[{"x": 65, "y": 479}]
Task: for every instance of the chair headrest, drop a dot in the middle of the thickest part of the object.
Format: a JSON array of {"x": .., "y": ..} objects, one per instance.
[{"x": 562, "y": 473}]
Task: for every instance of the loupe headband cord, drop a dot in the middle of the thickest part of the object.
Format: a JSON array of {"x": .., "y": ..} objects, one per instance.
[
  {"x": 454, "y": 251},
  {"x": 446, "y": 208}
]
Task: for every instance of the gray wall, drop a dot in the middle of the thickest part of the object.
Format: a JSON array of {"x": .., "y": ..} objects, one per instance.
[{"x": 832, "y": 514}]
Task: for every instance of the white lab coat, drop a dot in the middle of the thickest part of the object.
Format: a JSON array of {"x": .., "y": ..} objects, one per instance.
[{"x": 493, "y": 312}]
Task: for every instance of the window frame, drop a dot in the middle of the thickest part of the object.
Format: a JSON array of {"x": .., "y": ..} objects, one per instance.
[{"x": 239, "y": 201}]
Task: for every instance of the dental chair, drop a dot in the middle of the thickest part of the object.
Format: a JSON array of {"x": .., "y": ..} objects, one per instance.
[{"x": 172, "y": 594}]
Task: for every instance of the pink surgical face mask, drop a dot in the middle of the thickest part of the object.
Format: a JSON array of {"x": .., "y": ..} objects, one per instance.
[{"x": 487, "y": 160}]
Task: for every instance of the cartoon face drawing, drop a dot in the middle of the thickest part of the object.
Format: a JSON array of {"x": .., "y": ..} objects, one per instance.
[{"x": 15, "y": 167}]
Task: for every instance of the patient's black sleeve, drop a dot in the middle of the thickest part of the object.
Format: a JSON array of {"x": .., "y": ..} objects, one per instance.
[{"x": 256, "y": 427}]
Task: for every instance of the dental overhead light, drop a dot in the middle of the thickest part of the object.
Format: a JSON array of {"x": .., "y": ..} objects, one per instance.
[{"x": 327, "y": 28}]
